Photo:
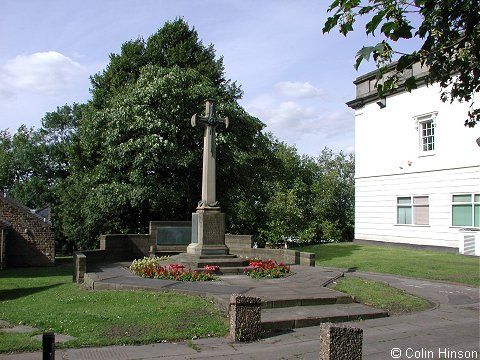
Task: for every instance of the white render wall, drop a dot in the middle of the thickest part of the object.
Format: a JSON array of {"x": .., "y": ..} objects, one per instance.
[{"x": 388, "y": 164}]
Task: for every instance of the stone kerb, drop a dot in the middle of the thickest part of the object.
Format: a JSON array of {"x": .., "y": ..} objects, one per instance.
[
  {"x": 339, "y": 342},
  {"x": 245, "y": 314}
]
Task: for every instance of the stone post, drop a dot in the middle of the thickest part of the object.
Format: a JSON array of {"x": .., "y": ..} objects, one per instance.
[
  {"x": 245, "y": 313},
  {"x": 340, "y": 342},
  {"x": 79, "y": 267}
]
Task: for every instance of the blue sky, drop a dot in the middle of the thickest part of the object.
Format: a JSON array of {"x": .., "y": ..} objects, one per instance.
[{"x": 295, "y": 79}]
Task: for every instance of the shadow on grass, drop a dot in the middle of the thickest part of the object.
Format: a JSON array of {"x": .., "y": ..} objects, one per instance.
[
  {"x": 36, "y": 272},
  {"x": 12, "y": 294},
  {"x": 329, "y": 251}
]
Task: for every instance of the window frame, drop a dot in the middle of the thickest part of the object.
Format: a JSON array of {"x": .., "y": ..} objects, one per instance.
[
  {"x": 413, "y": 209},
  {"x": 420, "y": 122},
  {"x": 473, "y": 203}
]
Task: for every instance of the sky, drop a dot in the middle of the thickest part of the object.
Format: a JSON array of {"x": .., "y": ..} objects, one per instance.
[{"x": 295, "y": 79}]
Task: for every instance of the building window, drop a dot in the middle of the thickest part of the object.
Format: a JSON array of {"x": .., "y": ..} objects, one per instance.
[
  {"x": 413, "y": 210},
  {"x": 466, "y": 210},
  {"x": 425, "y": 124},
  {"x": 427, "y": 136}
]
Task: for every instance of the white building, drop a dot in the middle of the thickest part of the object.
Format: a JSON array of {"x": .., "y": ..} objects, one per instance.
[{"x": 417, "y": 168}]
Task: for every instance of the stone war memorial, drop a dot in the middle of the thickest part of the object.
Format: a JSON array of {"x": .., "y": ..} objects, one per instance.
[
  {"x": 208, "y": 222},
  {"x": 196, "y": 243}
]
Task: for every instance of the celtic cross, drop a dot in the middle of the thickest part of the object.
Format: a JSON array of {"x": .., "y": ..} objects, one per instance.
[{"x": 210, "y": 121}]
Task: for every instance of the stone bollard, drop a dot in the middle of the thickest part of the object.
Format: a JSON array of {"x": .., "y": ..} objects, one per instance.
[
  {"x": 339, "y": 342},
  {"x": 79, "y": 267},
  {"x": 245, "y": 312}
]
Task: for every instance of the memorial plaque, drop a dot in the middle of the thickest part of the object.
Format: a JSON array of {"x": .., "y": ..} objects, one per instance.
[{"x": 174, "y": 235}]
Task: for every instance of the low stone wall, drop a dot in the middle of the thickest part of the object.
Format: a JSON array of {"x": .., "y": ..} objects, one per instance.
[
  {"x": 113, "y": 247},
  {"x": 241, "y": 245}
]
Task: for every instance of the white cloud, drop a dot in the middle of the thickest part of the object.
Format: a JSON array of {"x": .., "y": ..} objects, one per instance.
[
  {"x": 47, "y": 73},
  {"x": 299, "y": 89},
  {"x": 293, "y": 120}
]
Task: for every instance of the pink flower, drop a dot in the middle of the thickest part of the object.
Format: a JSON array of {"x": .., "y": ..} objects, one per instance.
[
  {"x": 211, "y": 267},
  {"x": 176, "y": 266}
]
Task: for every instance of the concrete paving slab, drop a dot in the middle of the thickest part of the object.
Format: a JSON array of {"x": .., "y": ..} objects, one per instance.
[
  {"x": 59, "y": 338},
  {"x": 19, "y": 329}
]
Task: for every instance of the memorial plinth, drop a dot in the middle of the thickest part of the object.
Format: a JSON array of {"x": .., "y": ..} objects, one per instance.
[{"x": 208, "y": 233}]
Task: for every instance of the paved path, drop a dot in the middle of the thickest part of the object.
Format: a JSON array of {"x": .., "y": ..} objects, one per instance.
[{"x": 448, "y": 330}]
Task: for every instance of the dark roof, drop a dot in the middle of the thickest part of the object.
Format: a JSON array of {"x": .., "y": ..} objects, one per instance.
[
  {"x": 4, "y": 224},
  {"x": 44, "y": 213},
  {"x": 23, "y": 208}
]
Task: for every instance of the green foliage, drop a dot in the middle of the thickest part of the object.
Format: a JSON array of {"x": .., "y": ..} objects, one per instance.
[
  {"x": 130, "y": 156},
  {"x": 450, "y": 31},
  {"x": 312, "y": 200},
  {"x": 138, "y": 157}
]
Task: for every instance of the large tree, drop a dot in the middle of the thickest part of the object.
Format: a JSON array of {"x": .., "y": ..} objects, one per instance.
[
  {"x": 448, "y": 29},
  {"x": 138, "y": 158},
  {"x": 130, "y": 156}
]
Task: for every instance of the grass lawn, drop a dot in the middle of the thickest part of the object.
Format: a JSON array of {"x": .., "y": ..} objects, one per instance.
[
  {"x": 380, "y": 295},
  {"x": 400, "y": 261},
  {"x": 47, "y": 299}
]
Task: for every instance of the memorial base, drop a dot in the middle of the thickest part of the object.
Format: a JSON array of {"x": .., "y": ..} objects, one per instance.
[{"x": 208, "y": 233}]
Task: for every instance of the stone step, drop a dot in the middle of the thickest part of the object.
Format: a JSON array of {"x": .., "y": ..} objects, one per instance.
[
  {"x": 222, "y": 263},
  {"x": 307, "y": 301},
  {"x": 161, "y": 253},
  {"x": 306, "y": 316},
  {"x": 233, "y": 270},
  {"x": 226, "y": 256}
]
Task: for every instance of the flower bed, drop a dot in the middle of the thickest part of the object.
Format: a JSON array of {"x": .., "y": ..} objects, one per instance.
[
  {"x": 267, "y": 269},
  {"x": 151, "y": 268}
]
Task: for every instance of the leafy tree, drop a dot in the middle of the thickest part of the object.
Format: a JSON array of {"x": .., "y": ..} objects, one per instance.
[
  {"x": 33, "y": 162},
  {"x": 130, "y": 156},
  {"x": 288, "y": 207},
  {"x": 6, "y": 161},
  {"x": 138, "y": 158},
  {"x": 450, "y": 31},
  {"x": 23, "y": 167},
  {"x": 334, "y": 198}
]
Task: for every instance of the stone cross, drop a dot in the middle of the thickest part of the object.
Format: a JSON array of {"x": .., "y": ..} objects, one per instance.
[{"x": 210, "y": 122}]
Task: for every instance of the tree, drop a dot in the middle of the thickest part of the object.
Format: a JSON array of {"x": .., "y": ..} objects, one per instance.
[
  {"x": 138, "y": 158},
  {"x": 334, "y": 196},
  {"x": 449, "y": 29},
  {"x": 288, "y": 207}
]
